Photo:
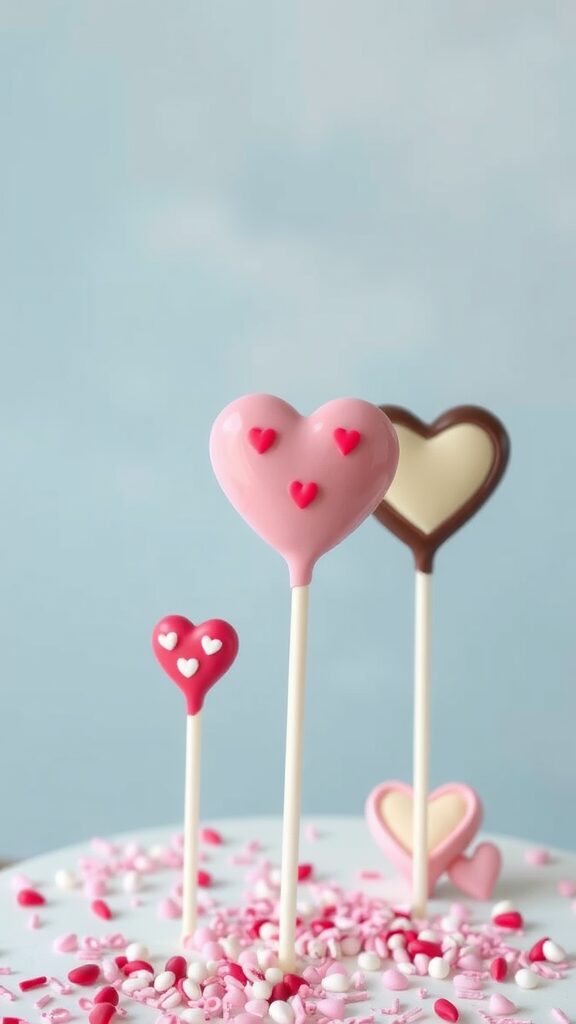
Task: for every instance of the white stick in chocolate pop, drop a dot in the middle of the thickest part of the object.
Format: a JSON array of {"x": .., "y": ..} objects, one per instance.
[
  {"x": 303, "y": 484},
  {"x": 446, "y": 471},
  {"x": 195, "y": 657}
]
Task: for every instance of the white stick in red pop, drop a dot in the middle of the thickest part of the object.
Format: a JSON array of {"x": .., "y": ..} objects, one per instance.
[
  {"x": 303, "y": 484},
  {"x": 195, "y": 657}
]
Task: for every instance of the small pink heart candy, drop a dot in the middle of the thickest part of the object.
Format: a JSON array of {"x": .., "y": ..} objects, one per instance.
[
  {"x": 499, "y": 1004},
  {"x": 477, "y": 875},
  {"x": 303, "y": 483}
]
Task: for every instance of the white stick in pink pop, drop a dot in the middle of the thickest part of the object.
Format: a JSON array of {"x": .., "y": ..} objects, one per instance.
[
  {"x": 303, "y": 484},
  {"x": 195, "y": 657}
]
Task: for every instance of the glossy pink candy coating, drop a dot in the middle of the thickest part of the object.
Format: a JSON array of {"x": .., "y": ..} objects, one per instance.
[
  {"x": 211, "y": 666},
  {"x": 303, "y": 483}
]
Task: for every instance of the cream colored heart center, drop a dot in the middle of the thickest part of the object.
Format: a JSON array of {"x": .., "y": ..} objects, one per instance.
[
  {"x": 444, "y": 815},
  {"x": 437, "y": 475}
]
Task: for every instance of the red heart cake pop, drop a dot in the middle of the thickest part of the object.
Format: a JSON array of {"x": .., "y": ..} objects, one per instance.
[{"x": 195, "y": 657}]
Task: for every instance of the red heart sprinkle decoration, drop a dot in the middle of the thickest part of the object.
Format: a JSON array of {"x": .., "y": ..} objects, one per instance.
[
  {"x": 347, "y": 440},
  {"x": 303, "y": 494},
  {"x": 261, "y": 439},
  {"x": 194, "y": 657}
]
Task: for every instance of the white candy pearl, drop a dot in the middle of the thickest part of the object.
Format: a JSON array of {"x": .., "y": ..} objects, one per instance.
[
  {"x": 230, "y": 946},
  {"x": 525, "y": 978},
  {"x": 438, "y": 968},
  {"x": 553, "y": 952},
  {"x": 132, "y": 881},
  {"x": 64, "y": 879},
  {"x": 137, "y": 951},
  {"x": 164, "y": 981},
  {"x": 192, "y": 1016},
  {"x": 336, "y": 982},
  {"x": 503, "y": 907},
  {"x": 268, "y": 930},
  {"x": 197, "y": 971},
  {"x": 281, "y": 1012},
  {"x": 261, "y": 989},
  {"x": 427, "y": 935},
  {"x": 132, "y": 984},
  {"x": 369, "y": 961},
  {"x": 396, "y": 941},
  {"x": 191, "y": 989},
  {"x": 274, "y": 975},
  {"x": 174, "y": 999},
  {"x": 316, "y": 949}
]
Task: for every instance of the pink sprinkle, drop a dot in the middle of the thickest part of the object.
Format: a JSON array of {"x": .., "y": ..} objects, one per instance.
[
  {"x": 394, "y": 980},
  {"x": 537, "y": 857},
  {"x": 101, "y": 909},
  {"x": 211, "y": 836},
  {"x": 18, "y": 882},
  {"x": 370, "y": 876},
  {"x": 5, "y": 970},
  {"x": 311, "y": 833},
  {"x": 566, "y": 887},
  {"x": 168, "y": 908},
  {"x": 559, "y": 1015},
  {"x": 42, "y": 1002},
  {"x": 66, "y": 943},
  {"x": 34, "y": 922},
  {"x": 5, "y": 993}
]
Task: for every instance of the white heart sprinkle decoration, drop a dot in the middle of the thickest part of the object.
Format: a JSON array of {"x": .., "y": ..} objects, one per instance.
[
  {"x": 188, "y": 666},
  {"x": 168, "y": 640},
  {"x": 210, "y": 646}
]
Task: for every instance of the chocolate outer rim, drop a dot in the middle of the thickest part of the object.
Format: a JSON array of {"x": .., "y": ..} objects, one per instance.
[{"x": 425, "y": 545}]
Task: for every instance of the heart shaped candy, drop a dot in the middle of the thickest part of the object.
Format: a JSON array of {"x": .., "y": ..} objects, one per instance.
[
  {"x": 454, "y": 817},
  {"x": 303, "y": 483},
  {"x": 477, "y": 874},
  {"x": 195, "y": 657},
  {"x": 446, "y": 471}
]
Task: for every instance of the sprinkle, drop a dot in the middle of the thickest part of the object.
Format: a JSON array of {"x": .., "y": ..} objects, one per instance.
[
  {"x": 211, "y": 836},
  {"x": 559, "y": 1016},
  {"x": 537, "y": 857},
  {"x": 30, "y": 898},
  {"x": 43, "y": 1001},
  {"x": 204, "y": 879},
  {"x": 566, "y": 887},
  {"x": 446, "y": 1010},
  {"x": 101, "y": 909},
  {"x": 511, "y": 920},
  {"x": 85, "y": 975},
  {"x": 5, "y": 993},
  {"x": 30, "y": 983}
]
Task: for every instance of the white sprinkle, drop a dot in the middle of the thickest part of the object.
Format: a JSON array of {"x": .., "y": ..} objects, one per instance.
[
  {"x": 197, "y": 970},
  {"x": 261, "y": 989},
  {"x": 438, "y": 968},
  {"x": 132, "y": 984},
  {"x": 525, "y": 978},
  {"x": 503, "y": 907},
  {"x": 350, "y": 945},
  {"x": 192, "y": 1016},
  {"x": 553, "y": 952},
  {"x": 64, "y": 879},
  {"x": 191, "y": 989},
  {"x": 281, "y": 1012},
  {"x": 164, "y": 981},
  {"x": 171, "y": 1000},
  {"x": 268, "y": 931},
  {"x": 396, "y": 941},
  {"x": 274, "y": 975},
  {"x": 137, "y": 951},
  {"x": 336, "y": 982},
  {"x": 406, "y": 968},
  {"x": 427, "y": 935},
  {"x": 132, "y": 881},
  {"x": 369, "y": 961}
]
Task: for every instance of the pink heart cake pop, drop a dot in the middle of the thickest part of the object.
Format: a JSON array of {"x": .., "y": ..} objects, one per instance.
[
  {"x": 195, "y": 657},
  {"x": 303, "y": 483}
]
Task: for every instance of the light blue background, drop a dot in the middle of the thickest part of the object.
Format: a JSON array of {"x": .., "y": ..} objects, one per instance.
[{"x": 313, "y": 199}]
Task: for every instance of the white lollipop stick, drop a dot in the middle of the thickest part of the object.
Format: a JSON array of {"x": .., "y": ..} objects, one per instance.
[
  {"x": 293, "y": 775},
  {"x": 191, "y": 823},
  {"x": 421, "y": 751}
]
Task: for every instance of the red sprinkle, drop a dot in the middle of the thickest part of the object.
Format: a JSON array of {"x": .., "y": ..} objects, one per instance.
[
  {"x": 235, "y": 971},
  {"x": 498, "y": 968},
  {"x": 204, "y": 879},
  {"x": 294, "y": 982},
  {"x": 131, "y": 966},
  {"x": 211, "y": 836},
  {"x": 304, "y": 872},
  {"x": 422, "y": 946},
  {"x": 30, "y": 898},
  {"x": 24, "y": 986},
  {"x": 446, "y": 1010},
  {"x": 86, "y": 974},
  {"x": 537, "y": 952},
  {"x": 108, "y": 994},
  {"x": 120, "y": 961},
  {"x": 101, "y": 909},
  {"x": 512, "y": 920},
  {"x": 178, "y": 965},
  {"x": 11, "y": 1020},
  {"x": 102, "y": 1013},
  {"x": 280, "y": 991}
]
